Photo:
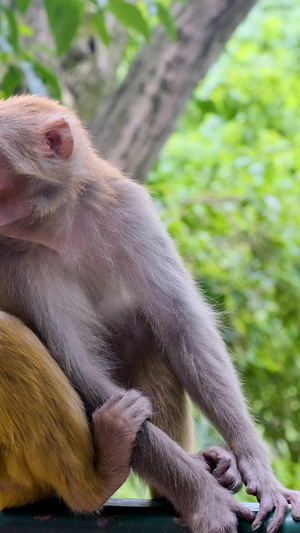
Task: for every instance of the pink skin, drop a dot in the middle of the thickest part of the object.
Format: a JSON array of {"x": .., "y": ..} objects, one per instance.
[
  {"x": 13, "y": 209},
  {"x": 12, "y": 212},
  {"x": 5, "y": 181}
]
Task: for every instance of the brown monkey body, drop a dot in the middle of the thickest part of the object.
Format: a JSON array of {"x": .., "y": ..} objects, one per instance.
[{"x": 87, "y": 265}]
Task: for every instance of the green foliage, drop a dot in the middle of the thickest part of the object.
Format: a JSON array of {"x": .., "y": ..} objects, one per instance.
[
  {"x": 11, "y": 80},
  {"x": 12, "y": 29},
  {"x": 227, "y": 185},
  {"x": 166, "y": 20},
  {"x": 19, "y": 69},
  {"x": 98, "y": 22},
  {"x": 130, "y": 16},
  {"x": 22, "y": 70},
  {"x": 22, "y": 5},
  {"x": 64, "y": 18}
]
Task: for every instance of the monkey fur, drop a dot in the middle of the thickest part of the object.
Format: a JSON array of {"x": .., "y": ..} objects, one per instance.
[{"x": 88, "y": 267}]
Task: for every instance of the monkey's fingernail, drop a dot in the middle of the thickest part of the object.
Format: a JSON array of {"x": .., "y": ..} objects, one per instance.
[{"x": 257, "y": 526}]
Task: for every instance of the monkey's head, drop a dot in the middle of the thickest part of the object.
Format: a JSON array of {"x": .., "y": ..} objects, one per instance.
[{"x": 44, "y": 158}]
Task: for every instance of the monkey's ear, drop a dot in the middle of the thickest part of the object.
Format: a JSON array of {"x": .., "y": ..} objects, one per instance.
[{"x": 58, "y": 139}]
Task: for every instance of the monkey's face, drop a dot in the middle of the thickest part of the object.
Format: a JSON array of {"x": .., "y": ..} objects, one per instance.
[{"x": 36, "y": 163}]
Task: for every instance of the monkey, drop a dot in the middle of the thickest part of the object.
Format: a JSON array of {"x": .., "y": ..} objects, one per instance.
[
  {"x": 46, "y": 447},
  {"x": 88, "y": 267}
]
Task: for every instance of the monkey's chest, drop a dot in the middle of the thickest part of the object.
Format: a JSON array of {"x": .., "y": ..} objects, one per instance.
[{"x": 110, "y": 298}]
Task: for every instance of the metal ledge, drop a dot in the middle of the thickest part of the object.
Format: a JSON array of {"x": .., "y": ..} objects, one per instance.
[{"x": 122, "y": 516}]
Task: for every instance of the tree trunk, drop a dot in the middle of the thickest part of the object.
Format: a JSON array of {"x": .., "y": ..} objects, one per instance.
[{"x": 137, "y": 119}]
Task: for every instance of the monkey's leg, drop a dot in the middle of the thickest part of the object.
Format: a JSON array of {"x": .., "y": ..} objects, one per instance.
[
  {"x": 46, "y": 444},
  {"x": 142, "y": 365},
  {"x": 172, "y": 411}
]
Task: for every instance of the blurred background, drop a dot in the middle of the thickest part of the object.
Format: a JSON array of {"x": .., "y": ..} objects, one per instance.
[{"x": 200, "y": 100}]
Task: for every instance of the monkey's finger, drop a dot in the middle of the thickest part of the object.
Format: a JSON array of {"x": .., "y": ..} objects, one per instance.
[
  {"x": 131, "y": 399},
  {"x": 231, "y": 481},
  {"x": 279, "y": 514},
  {"x": 236, "y": 477},
  {"x": 114, "y": 400},
  {"x": 210, "y": 455},
  {"x": 266, "y": 506},
  {"x": 296, "y": 512},
  {"x": 208, "y": 465},
  {"x": 244, "y": 512},
  {"x": 294, "y": 499},
  {"x": 251, "y": 487},
  {"x": 222, "y": 467}
]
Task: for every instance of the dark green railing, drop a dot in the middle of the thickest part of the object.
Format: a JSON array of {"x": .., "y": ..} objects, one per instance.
[{"x": 122, "y": 516}]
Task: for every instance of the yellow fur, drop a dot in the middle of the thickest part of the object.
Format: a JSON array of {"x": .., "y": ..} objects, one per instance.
[{"x": 46, "y": 447}]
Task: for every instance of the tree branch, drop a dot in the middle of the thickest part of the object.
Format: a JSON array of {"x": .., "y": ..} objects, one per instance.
[{"x": 137, "y": 119}]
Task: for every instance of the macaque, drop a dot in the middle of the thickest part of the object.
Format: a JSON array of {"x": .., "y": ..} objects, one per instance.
[{"x": 89, "y": 269}]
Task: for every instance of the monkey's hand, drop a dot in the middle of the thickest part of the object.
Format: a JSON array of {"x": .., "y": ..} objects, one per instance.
[
  {"x": 216, "y": 511},
  {"x": 223, "y": 466},
  {"x": 123, "y": 415},
  {"x": 270, "y": 494},
  {"x": 115, "y": 426}
]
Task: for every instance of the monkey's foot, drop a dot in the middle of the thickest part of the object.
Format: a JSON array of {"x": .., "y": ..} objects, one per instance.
[
  {"x": 270, "y": 493},
  {"x": 217, "y": 512}
]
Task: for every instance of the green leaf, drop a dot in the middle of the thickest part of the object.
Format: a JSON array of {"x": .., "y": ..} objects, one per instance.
[
  {"x": 167, "y": 20},
  {"x": 101, "y": 3},
  {"x": 22, "y": 5},
  {"x": 48, "y": 78},
  {"x": 206, "y": 106},
  {"x": 13, "y": 34},
  {"x": 63, "y": 17},
  {"x": 98, "y": 22},
  {"x": 25, "y": 30},
  {"x": 11, "y": 81},
  {"x": 130, "y": 16},
  {"x": 34, "y": 83},
  {"x": 151, "y": 7}
]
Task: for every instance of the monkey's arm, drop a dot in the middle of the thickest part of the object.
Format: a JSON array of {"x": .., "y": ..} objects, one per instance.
[{"x": 187, "y": 328}]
